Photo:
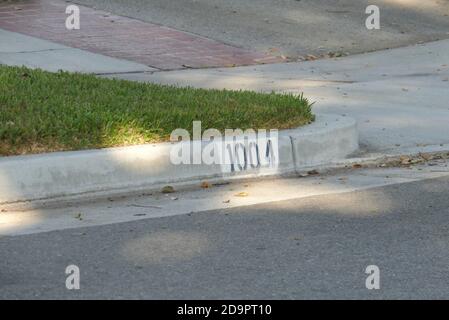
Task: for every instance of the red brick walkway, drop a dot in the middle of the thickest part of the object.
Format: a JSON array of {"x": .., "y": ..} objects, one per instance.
[{"x": 154, "y": 45}]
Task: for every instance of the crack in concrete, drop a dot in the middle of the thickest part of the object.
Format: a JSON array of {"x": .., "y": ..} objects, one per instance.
[
  {"x": 36, "y": 51},
  {"x": 126, "y": 72}
]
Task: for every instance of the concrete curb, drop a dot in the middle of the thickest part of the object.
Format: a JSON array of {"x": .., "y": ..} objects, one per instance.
[{"x": 66, "y": 174}]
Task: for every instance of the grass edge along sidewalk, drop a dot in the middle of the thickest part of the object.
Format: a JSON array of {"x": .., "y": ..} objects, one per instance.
[{"x": 46, "y": 112}]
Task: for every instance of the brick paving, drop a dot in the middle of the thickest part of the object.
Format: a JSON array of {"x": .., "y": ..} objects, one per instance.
[{"x": 120, "y": 37}]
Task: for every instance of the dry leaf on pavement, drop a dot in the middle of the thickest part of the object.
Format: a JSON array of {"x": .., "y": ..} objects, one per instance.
[
  {"x": 205, "y": 185},
  {"x": 168, "y": 189}
]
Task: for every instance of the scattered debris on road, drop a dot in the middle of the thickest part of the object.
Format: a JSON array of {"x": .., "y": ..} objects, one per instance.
[
  {"x": 205, "y": 185},
  {"x": 168, "y": 189}
]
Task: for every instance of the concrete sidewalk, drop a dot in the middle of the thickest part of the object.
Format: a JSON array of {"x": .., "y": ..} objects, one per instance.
[
  {"x": 121, "y": 37},
  {"x": 21, "y": 50},
  {"x": 400, "y": 97}
]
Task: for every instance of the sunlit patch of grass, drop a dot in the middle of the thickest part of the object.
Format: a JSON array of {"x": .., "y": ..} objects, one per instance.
[{"x": 43, "y": 112}]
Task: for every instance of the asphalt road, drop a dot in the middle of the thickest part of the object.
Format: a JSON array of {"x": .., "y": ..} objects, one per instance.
[
  {"x": 315, "y": 247},
  {"x": 292, "y": 27}
]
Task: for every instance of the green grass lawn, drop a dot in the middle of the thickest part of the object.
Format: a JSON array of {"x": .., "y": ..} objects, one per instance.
[{"x": 43, "y": 112}]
